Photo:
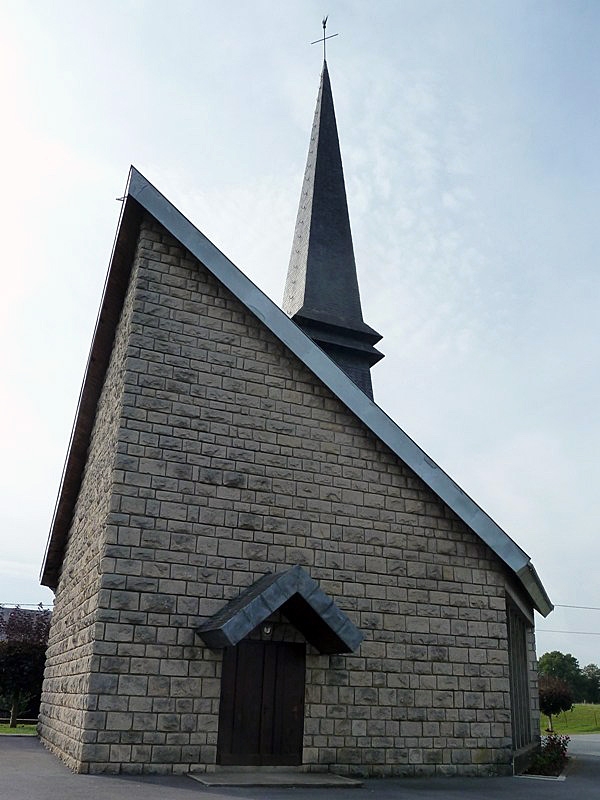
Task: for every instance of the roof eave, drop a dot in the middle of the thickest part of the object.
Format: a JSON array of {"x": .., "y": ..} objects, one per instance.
[
  {"x": 356, "y": 400},
  {"x": 534, "y": 588},
  {"x": 111, "y": 304},
  {"x": 141, "y": 194}
]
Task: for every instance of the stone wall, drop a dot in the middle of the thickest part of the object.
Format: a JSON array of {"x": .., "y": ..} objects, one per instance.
[
  {"x": 233, "y": 460},
  {"x": 73, "y": 650}
]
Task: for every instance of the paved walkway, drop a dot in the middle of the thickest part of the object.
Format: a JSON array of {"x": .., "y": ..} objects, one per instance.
[{"x": 29, "y": 772}]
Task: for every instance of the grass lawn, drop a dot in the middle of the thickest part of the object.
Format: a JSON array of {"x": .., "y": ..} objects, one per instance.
[
  {"x": 23, "y": 730},
  {"x": 583, "y": 718}
]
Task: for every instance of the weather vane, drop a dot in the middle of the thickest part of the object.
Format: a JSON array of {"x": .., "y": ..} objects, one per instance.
[{"x": 324, "y": 39}]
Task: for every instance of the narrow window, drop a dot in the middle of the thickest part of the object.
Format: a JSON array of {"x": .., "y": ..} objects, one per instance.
[{"x": 519, "y": 676}]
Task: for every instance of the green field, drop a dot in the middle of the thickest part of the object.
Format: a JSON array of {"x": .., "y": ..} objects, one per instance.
[
  {"x": 22, "y": 730},
  {"x": 583, "y": 718}
]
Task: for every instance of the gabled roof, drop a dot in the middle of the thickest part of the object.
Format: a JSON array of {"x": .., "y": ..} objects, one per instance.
[
  {"x": 141, "y": 196},
  {"x": 299, "y": 598}
]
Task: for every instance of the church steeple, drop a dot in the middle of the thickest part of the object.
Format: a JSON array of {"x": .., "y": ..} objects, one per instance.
[{"x": 321, "y": 292}]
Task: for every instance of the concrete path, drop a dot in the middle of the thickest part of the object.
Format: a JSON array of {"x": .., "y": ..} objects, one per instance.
[{"x": 29, "y": 772}]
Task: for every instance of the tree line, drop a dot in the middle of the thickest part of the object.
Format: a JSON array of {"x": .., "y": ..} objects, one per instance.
[
  {"x": 23, "y": 642},
  {"x": 583, "y": 683},
  {"x": 563, "y": 682}
]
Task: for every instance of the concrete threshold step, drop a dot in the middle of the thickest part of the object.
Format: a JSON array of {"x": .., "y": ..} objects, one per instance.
[{"x": 273, "y": 776}]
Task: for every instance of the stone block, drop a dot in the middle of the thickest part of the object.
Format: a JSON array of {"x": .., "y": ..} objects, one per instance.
[
  {"x": 133, "y": 685},
  {"x": 161, "y": 603},
  {"x": 118, "y": 721}
]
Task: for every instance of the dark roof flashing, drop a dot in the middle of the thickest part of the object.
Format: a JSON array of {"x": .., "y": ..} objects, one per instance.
[
  {"x": 141, "y": 195},
  {"x": 113, "y": 296}
]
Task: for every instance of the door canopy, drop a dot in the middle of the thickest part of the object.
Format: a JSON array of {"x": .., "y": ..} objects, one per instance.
[{"x": 300, "y": 600}]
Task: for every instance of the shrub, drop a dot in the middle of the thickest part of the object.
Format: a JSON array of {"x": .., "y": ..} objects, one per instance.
[{"x": 553, "y": 757}]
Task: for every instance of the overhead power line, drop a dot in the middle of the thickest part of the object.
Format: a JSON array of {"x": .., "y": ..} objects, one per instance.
[
  {"x": 570, "y": 633},
  {"x": 556, "y": 605}
]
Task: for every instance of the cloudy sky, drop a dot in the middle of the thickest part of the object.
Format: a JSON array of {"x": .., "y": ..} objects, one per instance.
[{"x": 469, "y": 133}]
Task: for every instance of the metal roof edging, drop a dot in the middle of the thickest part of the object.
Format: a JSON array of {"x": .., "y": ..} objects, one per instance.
[{"x": 140, "y": 189}]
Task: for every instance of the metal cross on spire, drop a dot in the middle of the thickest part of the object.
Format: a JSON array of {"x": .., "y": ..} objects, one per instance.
[{"x": 324, "y": 38}]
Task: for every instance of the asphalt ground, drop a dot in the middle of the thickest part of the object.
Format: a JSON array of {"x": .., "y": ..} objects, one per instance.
[{"x": 29, "y": 772}]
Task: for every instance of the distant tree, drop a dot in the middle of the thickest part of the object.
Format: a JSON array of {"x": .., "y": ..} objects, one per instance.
[
  {"x": 565, "y": 667},
  {"x": 555, "y": 696},
  {"x": 23, "y": 642},
  {"x": 591, "y": 676}
]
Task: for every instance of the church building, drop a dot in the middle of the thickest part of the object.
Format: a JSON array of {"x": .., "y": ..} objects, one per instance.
[{"x": 253, "y": 564}]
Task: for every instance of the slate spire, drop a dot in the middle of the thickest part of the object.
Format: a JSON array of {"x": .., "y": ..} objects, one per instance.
[{"x": 321, "y": 291}]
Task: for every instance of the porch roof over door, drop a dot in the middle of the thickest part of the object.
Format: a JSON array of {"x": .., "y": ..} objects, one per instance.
[{"x": 299, "y": 598}]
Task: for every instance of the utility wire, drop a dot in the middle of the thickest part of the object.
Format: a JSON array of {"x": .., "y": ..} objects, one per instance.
[
  {"x": 571, "y": 633},
  {"x": 49, "y": 606}
]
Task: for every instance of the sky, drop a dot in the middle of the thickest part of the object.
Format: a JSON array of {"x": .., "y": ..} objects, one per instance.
[{"x": 469, "y": 136}]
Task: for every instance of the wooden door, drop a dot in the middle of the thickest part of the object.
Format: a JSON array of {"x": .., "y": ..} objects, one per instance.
[{"x": 261, "y": 718}]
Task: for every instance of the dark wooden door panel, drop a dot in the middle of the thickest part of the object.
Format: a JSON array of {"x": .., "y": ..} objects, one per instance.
[
  {"x": 268, "y": 701},
  {"x": 288, "y": 721},
  {"x": 261, "y": 721}
]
